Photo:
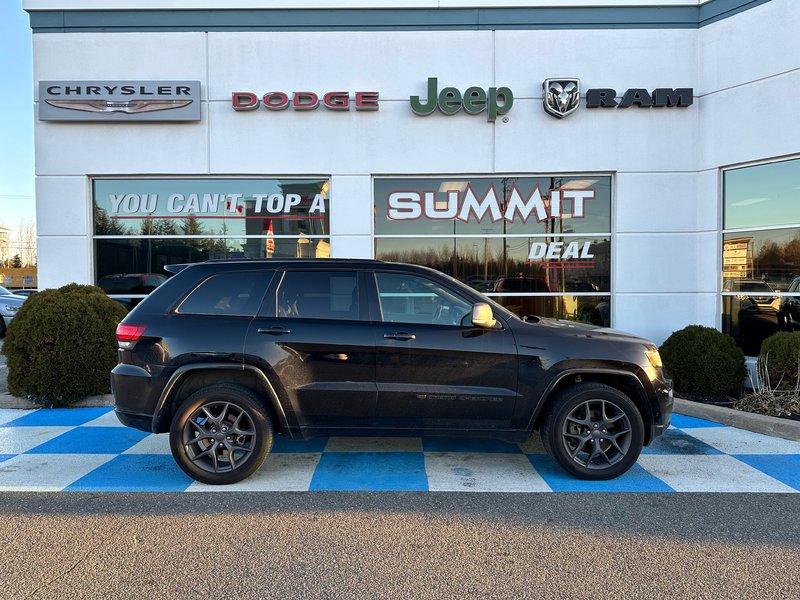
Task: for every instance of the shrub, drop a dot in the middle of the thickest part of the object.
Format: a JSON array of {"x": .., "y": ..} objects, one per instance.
[
  {"x": 61, "y": 345},
  {"x": 780, "y": 354},
  {"x": 703, "y": 361}
]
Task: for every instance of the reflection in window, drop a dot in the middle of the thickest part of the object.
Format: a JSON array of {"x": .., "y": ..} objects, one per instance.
[
  {"x": 595, "y": 310},
  {"x": 759, "y": 264},
  {"x": 495, "y": 264},
  {"x": 140, "y": 225},
  {"x": 150, "y": 255}
]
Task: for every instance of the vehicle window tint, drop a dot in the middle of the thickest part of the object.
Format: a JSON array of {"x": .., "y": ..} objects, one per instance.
[
  {"x": 238, "y": 293},
  {"x": 412, "y": 299},
  {"x": 318, "y": 295}
]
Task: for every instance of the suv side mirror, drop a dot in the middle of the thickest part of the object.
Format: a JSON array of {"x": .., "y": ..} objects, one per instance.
[{"x": 482, "y": 315}]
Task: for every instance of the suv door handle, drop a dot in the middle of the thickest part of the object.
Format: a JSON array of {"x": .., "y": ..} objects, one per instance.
[
  {"x": 274, "y": 330},
  {"x": 400, "y": 335}
]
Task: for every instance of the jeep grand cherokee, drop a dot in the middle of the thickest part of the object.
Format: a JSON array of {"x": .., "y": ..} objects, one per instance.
[{"x": 227, "y": 354}]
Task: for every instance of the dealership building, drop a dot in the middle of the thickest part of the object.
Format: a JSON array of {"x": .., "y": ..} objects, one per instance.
[{"x": 629, "y": 164}]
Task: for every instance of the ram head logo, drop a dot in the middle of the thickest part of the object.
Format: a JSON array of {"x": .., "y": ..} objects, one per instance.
[{"x": 561, "y": 96}]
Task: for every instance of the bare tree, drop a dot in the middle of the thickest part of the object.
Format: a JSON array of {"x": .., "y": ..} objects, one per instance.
[{"x": 26, "y": 242}]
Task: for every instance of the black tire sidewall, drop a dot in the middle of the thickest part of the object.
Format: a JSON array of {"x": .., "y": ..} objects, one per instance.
[
  {"x": 245, "y": 400},
  {"x": 566, "y": 402}
]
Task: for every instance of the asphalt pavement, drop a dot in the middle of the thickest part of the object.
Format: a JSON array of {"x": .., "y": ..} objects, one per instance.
[{"x": 399, "y": 545}]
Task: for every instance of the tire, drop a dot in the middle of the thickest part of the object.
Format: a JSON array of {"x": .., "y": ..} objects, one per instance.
[
  {"x": 201, "y": 445},
  {"x": 593, "y": 448}
]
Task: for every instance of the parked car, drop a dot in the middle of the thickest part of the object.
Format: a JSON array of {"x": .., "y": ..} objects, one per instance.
[
  {"x": 25, "y": 292},
  {"x": 227, "y": 354},
  {"x": 9, "y": 305},
  {"x": 526, "y": 306},
  {"x": 130, "y": 285},
  {"x": 753, "y": 312},
  {"x": 789, "y": 312}
]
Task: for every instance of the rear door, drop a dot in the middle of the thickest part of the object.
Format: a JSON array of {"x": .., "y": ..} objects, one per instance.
[
  {"x": 434, "y": 368},
  {"x": 313, "y": 333}
]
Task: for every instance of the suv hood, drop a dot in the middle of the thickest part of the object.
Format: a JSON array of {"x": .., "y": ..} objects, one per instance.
[{"x": 575, "y": 329}]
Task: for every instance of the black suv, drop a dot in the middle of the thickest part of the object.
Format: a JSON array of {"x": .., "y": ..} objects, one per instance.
[{"x": 227, "y": 354}]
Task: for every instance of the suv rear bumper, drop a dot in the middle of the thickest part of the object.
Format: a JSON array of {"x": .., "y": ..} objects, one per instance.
[
  {"x": 136, "y": 394},
  {"x": 141, "y": 421}
]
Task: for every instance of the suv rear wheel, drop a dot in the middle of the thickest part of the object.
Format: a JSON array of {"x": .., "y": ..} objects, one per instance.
[
  {"x": 221, "y": 434},
  {"x": 593, "y": 431}
]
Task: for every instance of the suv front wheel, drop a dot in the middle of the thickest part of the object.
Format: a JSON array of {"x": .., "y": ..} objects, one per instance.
[
  {"x": 593, "y": 431},
  {"x": 221, "y": 434}
]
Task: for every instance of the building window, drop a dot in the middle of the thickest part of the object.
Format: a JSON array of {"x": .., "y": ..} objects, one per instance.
[
  {"x": 140, "y": 225},
  {"x": 537, "y": 245},
  {"x": 760, "y": 252}
]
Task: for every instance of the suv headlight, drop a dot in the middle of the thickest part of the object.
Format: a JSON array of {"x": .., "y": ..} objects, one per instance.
[{"x": 654, "y": 357}]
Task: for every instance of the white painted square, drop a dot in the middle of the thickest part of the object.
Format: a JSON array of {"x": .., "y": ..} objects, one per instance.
[
  {"x": 16, "y": 440},
  {"x": 731, "y": 440},
  {"x": 374, "y": 444},
  {"x": 716, "y": 473},
  {"x": 107, "y": 420},
  {"x": 481, "y": 472},
  {"x": 289, "y": 472},
  {"x": 47, "y": 472},
  {"x": 9, "y": 414},
  {"x": 155, "y": 443}
]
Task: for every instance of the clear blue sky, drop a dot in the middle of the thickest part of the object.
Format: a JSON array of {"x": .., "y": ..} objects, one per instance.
[{"x": 16, "y": 116}]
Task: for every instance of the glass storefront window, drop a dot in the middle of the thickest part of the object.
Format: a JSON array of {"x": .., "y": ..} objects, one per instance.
[
  {"x": 141, "y": 225},
  {"x": 760, "y": 252},
  {"x": 537, "y": 245}
]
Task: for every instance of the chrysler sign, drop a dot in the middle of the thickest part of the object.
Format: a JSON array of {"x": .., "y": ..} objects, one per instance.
[{"x": 119, "y": 100}]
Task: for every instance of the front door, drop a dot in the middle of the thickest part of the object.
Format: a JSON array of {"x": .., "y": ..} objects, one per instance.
[{"x": 434, "y": 368}]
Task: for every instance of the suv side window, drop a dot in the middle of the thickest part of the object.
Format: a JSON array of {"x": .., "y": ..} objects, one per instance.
[
  {"x": 408, "y": 298},
  {"x": 318, "y": 295},
  {"x": 238, "y": 293}
]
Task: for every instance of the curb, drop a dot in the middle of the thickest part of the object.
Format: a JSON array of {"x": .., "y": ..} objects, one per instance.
[
  {"x": 9, "y": 401},
  {"x": 774, "y": 426}
]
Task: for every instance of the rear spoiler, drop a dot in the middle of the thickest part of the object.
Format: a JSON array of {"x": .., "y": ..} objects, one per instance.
[{"x": 174, "y": 269}]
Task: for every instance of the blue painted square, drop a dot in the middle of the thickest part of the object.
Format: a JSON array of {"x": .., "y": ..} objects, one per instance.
[
  {"x": 59, "y": 416},
  {"x": 468, "y": 445},
  {"x": 134, "y": 473},
  {"x": 281, "y": 445},
  {"x": 783, "y": 467},
  {"x": 684, "y": 422},
  {"x": 6, "y": 456},
  {"x": 91, "y": 440},
  {"x": 675, "y": 441},
  {"x": 371, "y": 471},
  {"x": 635, "y": 480}
]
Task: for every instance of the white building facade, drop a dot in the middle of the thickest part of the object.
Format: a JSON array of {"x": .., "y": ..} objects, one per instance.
[{"x": 669, "y": 189}]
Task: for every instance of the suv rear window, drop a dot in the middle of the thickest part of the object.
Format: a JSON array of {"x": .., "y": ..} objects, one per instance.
[{"x": 238, "y": 294}]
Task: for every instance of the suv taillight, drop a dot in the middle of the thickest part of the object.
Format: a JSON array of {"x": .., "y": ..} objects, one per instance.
[{"x": 128, "y": 334}]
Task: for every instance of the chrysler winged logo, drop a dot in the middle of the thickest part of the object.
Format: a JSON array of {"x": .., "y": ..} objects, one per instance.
[
  {"x": 122, "y": 106},
  {"x": 105, "y": 101},
  {"x": 562, "y": 96}
]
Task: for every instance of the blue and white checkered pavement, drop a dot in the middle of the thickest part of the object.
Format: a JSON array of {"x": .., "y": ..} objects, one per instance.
[{"x": 87, "y": 449}]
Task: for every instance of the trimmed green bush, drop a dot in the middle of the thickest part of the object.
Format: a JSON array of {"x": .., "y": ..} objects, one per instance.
[
  {"x": 703, "y": 361},
  {"x": 61, "y": 345},
  {"x": 780, "y": 353}
]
